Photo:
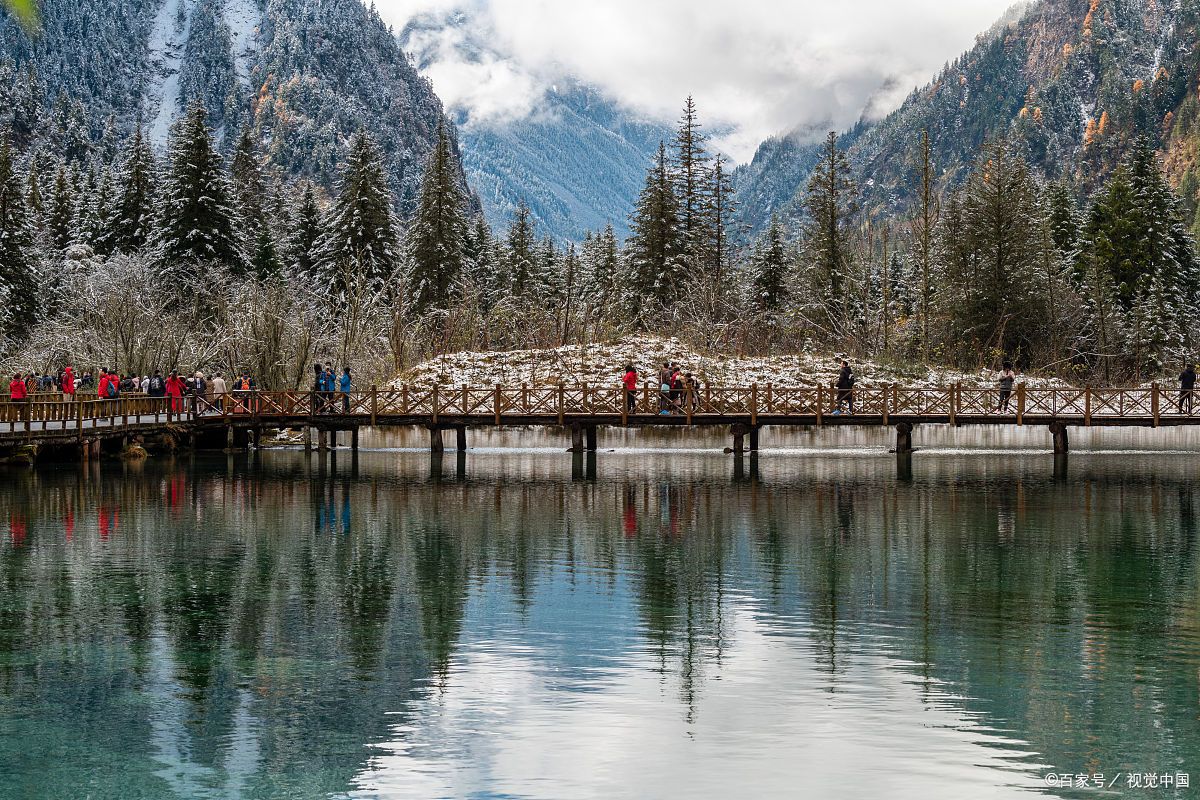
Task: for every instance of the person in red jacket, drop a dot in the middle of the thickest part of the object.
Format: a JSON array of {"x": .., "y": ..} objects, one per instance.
[
  {"x": 68, "y": 383},
  {"x": 175, "y": 387},
  {"x": 17, "y": 390},
  {"x": 102, "y": 386},
  {"x": 631, "y": 385}
]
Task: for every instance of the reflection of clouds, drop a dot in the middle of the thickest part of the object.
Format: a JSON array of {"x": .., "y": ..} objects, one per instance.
[{"x": 506, "y": 724}]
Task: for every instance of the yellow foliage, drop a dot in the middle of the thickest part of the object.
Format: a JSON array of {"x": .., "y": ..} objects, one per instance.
[
  {"x": 1023, "y": 113},
  {"x": 1037, "y": 114},
  {"x": 26, "y": 12},
  {"x": 1089, "y": 132},
  {"x": 1138, "y": 85},
  {"x": 1067, "y": 50},
  {"x": 1103, "y": 124}
]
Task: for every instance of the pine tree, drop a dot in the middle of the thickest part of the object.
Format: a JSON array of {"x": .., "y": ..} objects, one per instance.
[
  {"x": 481, "y": 262},
  {"x": 1063, "y": 218},
  {"x": 438, "y": 235},
  {"x": 18, "y": 266},
  {"x": 719, "y": 209},
  {"x": 520, "y": 260},
  {"x": 249, "y": 187},
  {"x": 769, "y": 270},
  {"x": 359, "y": 251},
  {"x": 655, "y": 249},
  {"x": 130, "y": 223},
  {"x": 992, "y": 237},
  {"x": 305, "y": 236},
  {"x": 61, "y": 223},
  {"x": 924, "y": 227},
  {"x": 207, "y": 76},
  {"x": 96, "y": 208},
  {"x": 830, "y": 202},
  {"x": 197, "y": 223},
  {"x": 264, "y": 264},
  {"x": 690, "y": 176},
  {"x": 33, "y": 196}
]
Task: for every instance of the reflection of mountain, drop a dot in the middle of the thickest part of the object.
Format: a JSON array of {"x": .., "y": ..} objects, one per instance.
[{"x": 260, "y": 628}]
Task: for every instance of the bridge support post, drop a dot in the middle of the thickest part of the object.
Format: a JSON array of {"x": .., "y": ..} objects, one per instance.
[
  {"x": 354, "y": 440},
  {"x": 739, "y": 431},
  {"x": 435, "y": 440},
  {"x": 576, "y": 439},
  {"x": 322, "y": 440},
  {"x": 1061, "y": 443},
  {"x": 904, "y": 437},
  {"x": 308, "y": 443},
  {"x": 460, "y": 436},
  {"x": 229, "y": 438},
  {"x": 591, "y": 438},
  {"x": 256, "y": 438},
  {"x": 754, "y": 439}
]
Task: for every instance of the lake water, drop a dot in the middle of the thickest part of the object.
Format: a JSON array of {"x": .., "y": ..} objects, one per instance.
[{"x": 649, "y": 624}]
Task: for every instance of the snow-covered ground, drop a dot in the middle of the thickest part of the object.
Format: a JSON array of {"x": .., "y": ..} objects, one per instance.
[
  {"x": 604, "y": 363},
  {"x": 167, "y": 40}
]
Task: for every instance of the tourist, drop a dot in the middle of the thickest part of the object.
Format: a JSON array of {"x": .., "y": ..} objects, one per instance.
[
  {"x": 676, "y": 388},
  {"x": 242, "y": 388},
  {"x": 175, "y": 387},
  {"x": 318, "y": 390},
  {"x": 330, "y": 387},
  {"x": 157, "y": 387},
  {"x": 1187, "y": 384},
  {"x": 692, "y": 385},
  {"x": 1005, "y": 380},
  {"x": 219, "y": 391},
  {"x": 67, "y": 383},
  {"x": 198, "y": 386},
  {"x": 664, "y": 388},
  {"x": 17, "y": 390},
  {"x": 845, "y": 389},
  {"x": 344, "y": 388},
  {"x": 110, "y": 385},
  {"x": 87, "y": 381},
  {"x": 631, "y": 386},
  {"x": 144, "y": 385}
]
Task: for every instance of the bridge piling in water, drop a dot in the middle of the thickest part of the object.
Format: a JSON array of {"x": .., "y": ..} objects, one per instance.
[
  {"x": 591, "y": 438},
  {"x": 460, "y": 436},
  {"x": 436, "y": 445},
  {"x": 1059, "y": 432},
  {"x": 904, "y": 438}
]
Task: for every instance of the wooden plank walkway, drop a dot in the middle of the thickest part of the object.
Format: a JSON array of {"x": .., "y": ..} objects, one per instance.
[{"x": 582, "y": 407}]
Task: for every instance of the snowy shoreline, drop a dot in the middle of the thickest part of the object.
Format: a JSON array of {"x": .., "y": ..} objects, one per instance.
[{"x": 603, "y": 363}]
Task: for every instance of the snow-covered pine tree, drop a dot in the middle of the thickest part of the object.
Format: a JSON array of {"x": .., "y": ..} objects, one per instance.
[
  {"x": 131, "y": 220},
  {"x": 97, "y": 208},
  {"x": 547, "y": 276},
  {"x": 196, "y": 221},
  {"x": 437, "y": 238},
  {"x": 719, "y": 207},
  {"x": 33, "y": 196},
  {"x": 831, "y": 200},
  {"x": 655, "y": 250},
  {"x": 250, "y": 191},
  {"x": 360, "y": 251},
  {"x": 520, "y": 258},
  {"x": 61, "y": 220},
  {"x": 18, "y": 264},
  {"x": 305, "y": 235},
  {"x": 990, "y": 289},
  {"x": 479, "y": 259},
  {"x": 689, "y": 179},
  {"x": 769, "y": 270}
]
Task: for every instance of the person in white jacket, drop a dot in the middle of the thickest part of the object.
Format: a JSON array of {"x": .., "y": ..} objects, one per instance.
[{"x": 219, "y": 391}]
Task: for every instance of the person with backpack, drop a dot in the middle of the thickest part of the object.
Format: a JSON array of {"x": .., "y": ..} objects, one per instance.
[
  {"x": 845, "y": 389},
  {"x": 175, "y": 387},
  {"x": 664, "y": 389},
  {"x": 243, "y": 388},
  {"x": 330, "y": 387},
  {"x": 630, "y": 381},
  {"x": 344, "y": 388},
  {"x": 157, "y": 386},
  {"x": 1005, "y": 381}
]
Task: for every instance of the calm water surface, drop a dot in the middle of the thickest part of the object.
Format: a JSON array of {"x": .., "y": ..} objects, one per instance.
[{"x": 651, "y": 624}]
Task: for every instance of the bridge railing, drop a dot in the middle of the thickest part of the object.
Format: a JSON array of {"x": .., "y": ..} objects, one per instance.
[{"x": 88, "y": 414}]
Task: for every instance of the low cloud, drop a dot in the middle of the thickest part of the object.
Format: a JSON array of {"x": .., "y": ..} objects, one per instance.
[{"x": 756, "y": 67}]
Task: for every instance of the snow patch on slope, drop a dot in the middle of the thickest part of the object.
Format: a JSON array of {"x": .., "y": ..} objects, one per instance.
[
  {"x": 243, "y": 18},
  {"x": 167, "y": 40}
]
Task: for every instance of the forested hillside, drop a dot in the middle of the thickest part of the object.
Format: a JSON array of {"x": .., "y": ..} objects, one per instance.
[
  {"x": 1073, "y": 82},
  {"x": 303, "y": 77}
]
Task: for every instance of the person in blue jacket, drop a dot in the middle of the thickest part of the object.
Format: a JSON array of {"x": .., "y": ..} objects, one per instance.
[{"x": 344, "y": 388}]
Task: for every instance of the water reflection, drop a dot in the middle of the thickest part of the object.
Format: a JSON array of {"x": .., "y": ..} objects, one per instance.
[{"x": 540, "y": 625}]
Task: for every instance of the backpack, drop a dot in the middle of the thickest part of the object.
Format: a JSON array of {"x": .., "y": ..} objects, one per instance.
[
  {"x": 244, "y": 384},
  {"x": 157, "y": 384},
  {"x": 110, "y": 389}
]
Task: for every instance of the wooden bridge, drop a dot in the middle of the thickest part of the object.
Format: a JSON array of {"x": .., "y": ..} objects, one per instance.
[{"x": 240, "y": 417}]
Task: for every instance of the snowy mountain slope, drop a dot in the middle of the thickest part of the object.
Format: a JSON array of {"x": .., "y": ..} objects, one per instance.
[
  {"x": 574, "y": 156},
  {"x": 1075, "y": 80},
  {"x": 304, "y": 75}
]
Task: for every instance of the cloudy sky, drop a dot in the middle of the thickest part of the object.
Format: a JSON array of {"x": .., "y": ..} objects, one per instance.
[{"x": 755, "y": 67}]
